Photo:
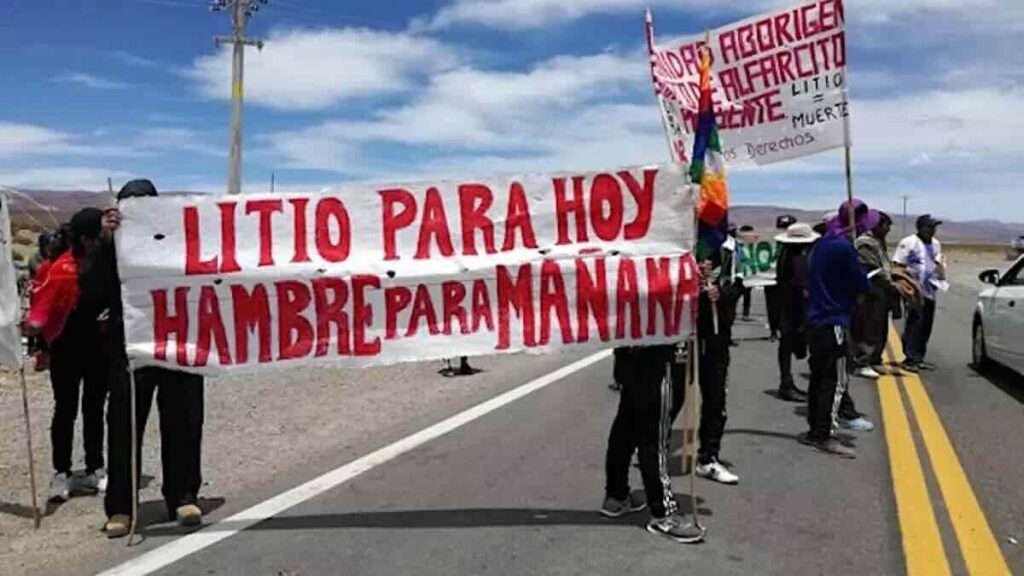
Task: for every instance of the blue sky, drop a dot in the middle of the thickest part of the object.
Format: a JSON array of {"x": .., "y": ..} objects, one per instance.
[{"x": 400, "y": 89}]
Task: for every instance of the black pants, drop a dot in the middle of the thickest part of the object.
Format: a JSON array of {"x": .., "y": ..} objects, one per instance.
[
  {"x": 773, "y": 302},
  {"x": 179, "y": 398},
  {"x": 918, "y": 331},
  {"x": 829, "y": 348},
  {"x": 652, "y": 394},
  {"x": 77, "y": 368},
  {"x": 713, "y": 349},
  {"x": 747, "y": 297}
]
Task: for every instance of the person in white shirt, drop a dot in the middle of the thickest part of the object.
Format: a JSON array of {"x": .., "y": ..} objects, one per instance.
[{"x": 922, "y": 255}]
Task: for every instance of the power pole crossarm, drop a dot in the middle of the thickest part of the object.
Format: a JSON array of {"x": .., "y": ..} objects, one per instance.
[{"x": 241, "y": 11}]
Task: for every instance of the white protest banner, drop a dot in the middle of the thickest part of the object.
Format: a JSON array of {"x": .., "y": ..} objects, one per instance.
[
  {"x": 376, "y": 275},
  {"x": 779, "y": 84},
  {"x": 10, "y": 303}
]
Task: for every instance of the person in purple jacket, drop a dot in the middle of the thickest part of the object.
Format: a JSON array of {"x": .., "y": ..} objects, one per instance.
[{"x": 835, "y": 281}]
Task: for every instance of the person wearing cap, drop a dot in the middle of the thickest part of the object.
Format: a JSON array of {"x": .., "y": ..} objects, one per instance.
[
  {"x": 791, "y": 300},
  {"x": 771, "y": 293},
  {"x": 77, "y": 367},
  {"x": 871, "y": 321},
  {"x": 835, "y": 281},
  {"x": 921, "y": 254},
  {"x": 179, "y": 396}
]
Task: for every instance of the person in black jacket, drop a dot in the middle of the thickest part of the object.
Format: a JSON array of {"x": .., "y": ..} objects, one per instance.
[
  {"x": 791, "y": 299},
  {"x": 179, "y": 396}
]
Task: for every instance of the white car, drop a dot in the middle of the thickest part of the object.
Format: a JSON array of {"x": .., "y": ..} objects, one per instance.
[{"x": 998, "y": 332}]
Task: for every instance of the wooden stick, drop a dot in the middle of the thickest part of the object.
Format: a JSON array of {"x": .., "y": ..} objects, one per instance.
[
  {"x": 28, "y": 441},
  {"x": 134, "y": 458}
]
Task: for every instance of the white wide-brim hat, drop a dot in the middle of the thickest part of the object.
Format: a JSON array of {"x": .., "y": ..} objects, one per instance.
[{"x": 798, "y": 233}]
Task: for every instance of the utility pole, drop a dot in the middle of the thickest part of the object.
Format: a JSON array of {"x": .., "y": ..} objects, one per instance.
[
  {"x": 240, "y": 11},
  {"x": 271, "y": 182},
  {"x": 905, "y": 198}
]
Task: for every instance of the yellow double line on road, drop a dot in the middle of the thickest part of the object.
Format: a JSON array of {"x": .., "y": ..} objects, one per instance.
[{"x": 922, "y": 541}]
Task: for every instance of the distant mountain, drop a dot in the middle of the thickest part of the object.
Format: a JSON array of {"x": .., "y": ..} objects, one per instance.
[
  {"x": 32, "y": 208},
  {"x": 966, "y": 232}
]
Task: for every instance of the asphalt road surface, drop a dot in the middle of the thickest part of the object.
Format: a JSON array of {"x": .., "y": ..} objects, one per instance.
[{"x": 938, "y": 488}]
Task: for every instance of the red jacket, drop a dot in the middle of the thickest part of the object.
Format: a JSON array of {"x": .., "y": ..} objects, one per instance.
[{"x": 54, "y": 297}]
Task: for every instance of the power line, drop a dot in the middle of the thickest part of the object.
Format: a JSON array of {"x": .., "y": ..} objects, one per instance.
[{"x": 241, "y": 11}]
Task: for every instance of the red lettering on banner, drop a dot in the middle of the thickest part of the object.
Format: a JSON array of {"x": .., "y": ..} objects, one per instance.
[
  {"x": 605, "y": 190},
  {"x": 166, "y": 324},
  {"x": 252, "y": 312},
  {"x": 518, "y": 295},
  {"x": 765, "y": 38},
  {"x": 299, "y": 224},
  {"x": 194, "y": 264},
  {"x": 396, "y": 299},
  {"x": 434, "y": 228},
  {"x": 660, "y": 294},
  {"x": 809, "y": 26},
  {"x": 474, "y": 202},
  {"x": 782, "y": 32},
  {"x": 627, "y": 295},
  {"x": 517, "y": 219},
  {"x": 787, "y": 73},
  {"x": 266, "y": 210},
  {"x": 454, "y": 293},
  {"x": 362, "y": 315},
  {"x": 644, "y": 198},
  {"x": 565, "y": 206},
  {"x": 728, "y": 47},
  {"x": 294, "y": 330},
  {"x": 687, "y": 288},
  {"x": 330, "y": 295},
  {"x": 422, "y": 307},
  {"x": 328, "y": 210},
  {"x": 211, "y": 328},
  {"x": 591, "y": 300},
  {"x": 746, "y": 40},
  {"x": 228, "y": 261},
  {"x": 482, "y": 306},
  {"x": 552, "y": 297},
  {"x": 393, "y": 222}
]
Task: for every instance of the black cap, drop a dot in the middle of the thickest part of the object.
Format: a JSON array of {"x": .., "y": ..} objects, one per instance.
[
  {"x": 746, "y": 228},
  {"x": 926, "y": 220},
  {"x": 785, "y": 221},
  {"x": 136, "y": 189},
  {"x": 86, "y": 223}
]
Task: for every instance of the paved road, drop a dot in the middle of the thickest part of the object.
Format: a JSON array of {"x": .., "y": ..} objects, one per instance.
[{"x": 515, "y": 491}]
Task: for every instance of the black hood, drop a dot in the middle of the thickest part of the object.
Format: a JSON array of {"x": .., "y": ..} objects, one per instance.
[{"x": 136, "y": 189}]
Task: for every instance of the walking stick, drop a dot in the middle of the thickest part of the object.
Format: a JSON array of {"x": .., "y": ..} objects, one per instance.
[
  {"x": 134, "y": 458},
  {"x": 28, "y": 441},
  {"x": 689, "y": 454}
]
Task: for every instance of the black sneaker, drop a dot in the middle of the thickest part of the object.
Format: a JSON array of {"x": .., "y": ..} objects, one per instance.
[
  {"x": 677, "y": 528},
  {"x": 790, "y": 393},
  {"x": 829, "y": 446},
  {"x": 912, "y": 367},
  {"x": 613, "y": 508}
]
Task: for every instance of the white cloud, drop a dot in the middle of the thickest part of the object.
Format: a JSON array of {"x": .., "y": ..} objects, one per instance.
[
  {"x": 90, "y": 81},
  {"x": 60, "y": 177},
  {"x": 520, "y": 14},
  {"x": 306, "y": 69},
  {"x": 485, "y": 111},
  {"x": 28, "y": 138},
  {"x": 130, "y": 59}
]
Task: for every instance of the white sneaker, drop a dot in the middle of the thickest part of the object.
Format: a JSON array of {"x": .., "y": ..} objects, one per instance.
[
  {"x": 716, "y": 472},
  {"x": 859, "y": 424},
  {"x": 868, "y": 372},
  {"x": 60, "y": 488},
  {"x": 94, "y": 483}
]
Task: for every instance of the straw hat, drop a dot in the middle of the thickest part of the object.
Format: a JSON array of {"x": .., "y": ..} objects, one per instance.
[{"x": 798, "y": 233}]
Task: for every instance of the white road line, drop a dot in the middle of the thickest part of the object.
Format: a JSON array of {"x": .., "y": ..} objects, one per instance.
[{"x": 176, "y": 550}]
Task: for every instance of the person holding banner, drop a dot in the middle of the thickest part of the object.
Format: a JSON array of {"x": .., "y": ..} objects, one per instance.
[
  {"x": 652, "y": 395},
  {"x": 76, "y": 361},
  {"x": 179, "y": 396},
  {"x": 835, "y": 281},
  {"x": 790, "y": 295}
]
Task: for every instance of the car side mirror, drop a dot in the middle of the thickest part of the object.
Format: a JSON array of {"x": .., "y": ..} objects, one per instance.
[{"x": 989, "y": 277}]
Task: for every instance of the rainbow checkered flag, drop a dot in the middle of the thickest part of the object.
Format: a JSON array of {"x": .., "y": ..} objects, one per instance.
[{"x": 708, "y": 169}]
